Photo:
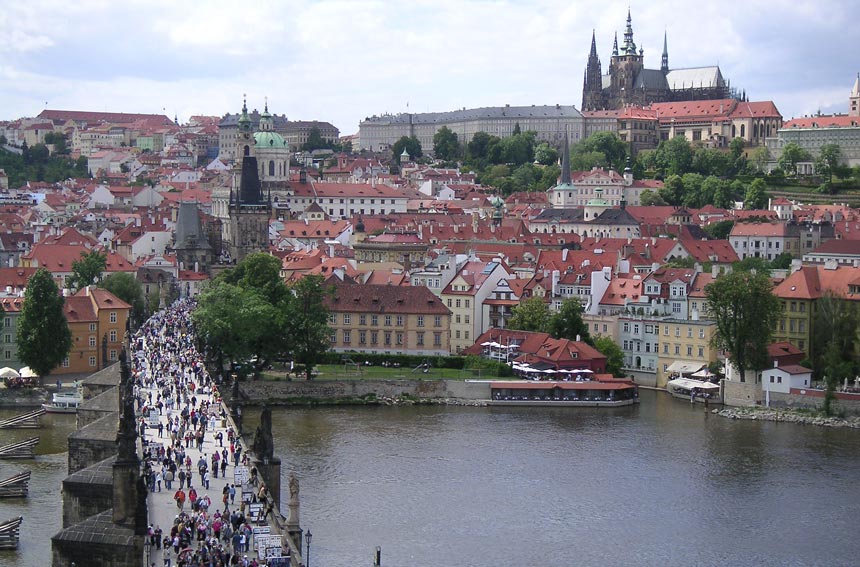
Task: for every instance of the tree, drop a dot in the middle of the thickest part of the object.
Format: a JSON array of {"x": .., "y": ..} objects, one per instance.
[
  {"x": 546, "y": 154},
  {"x": 759, "y": 158},
  {"x": 531, "y": 314},
  {"x": 720, "y": 230},
  {"x": 261, "y": 272},
  {"x": 746, "y": 312},
  {"x": 477, "y": 150},
  {"x": 126, "y": 287},
  {"x": 674, "y": 156},
  {"x": 445, "y": 144},
  {"x": 519, "y": 148},
  {"x": 43, "y": 334},
  {"x": 736, "y": 147},
  {"x": 756, "y": 197},
  {"x": 410, "y": 144},
  {"x": 307, "y": 322},
  {"x": 792, "y": 154},
  {"x": 609, "y": 145},
  {"x": 86, "y": 271},
  {"x": 672, "y": 191},
  {"x": 836, "y": 343},
  {"x": 568, "y": 323},
  {"x": 614, "y": 355},
  {"x": 648, "y": 198},
  {"x": 315, "y": 141},
  {"x": 828, "y": 159}
]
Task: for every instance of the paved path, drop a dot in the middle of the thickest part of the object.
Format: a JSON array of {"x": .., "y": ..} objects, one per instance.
[{"x": 169, "y": 370}]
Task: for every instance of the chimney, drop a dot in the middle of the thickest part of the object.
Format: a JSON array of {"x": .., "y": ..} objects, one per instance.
[
  {"x": 564, "y": 252},
  {"x": 578, "y": 338}
]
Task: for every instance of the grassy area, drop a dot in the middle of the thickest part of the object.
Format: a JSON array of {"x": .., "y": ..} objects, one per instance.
[{"x": 350, "y": 372}]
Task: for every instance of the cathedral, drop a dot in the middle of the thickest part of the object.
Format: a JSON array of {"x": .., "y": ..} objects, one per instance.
[{"x": 628, "y": 82}]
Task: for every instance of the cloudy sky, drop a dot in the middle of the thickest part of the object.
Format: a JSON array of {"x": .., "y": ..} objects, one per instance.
[{"x": 343, "y": 60}]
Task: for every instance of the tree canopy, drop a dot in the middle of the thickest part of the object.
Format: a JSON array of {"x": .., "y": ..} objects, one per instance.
[
  {"x": 445, "y": 144},
  {"x": 614, "y": 355},
  {"x": 412, "y": 146},
  {"x": 568, "y": 323},
  {"x": 531, "y": 314},
  {"x": 43, "y": 334},
  {"x": 87, "y": 270},
  {"x": 745, "y": 310},
  {"x": 307, "y": 322}
]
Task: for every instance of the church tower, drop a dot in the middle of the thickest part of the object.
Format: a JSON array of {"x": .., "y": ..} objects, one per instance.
[
  {"x": 664, "y": 60},
  {"x": 592, "y": 85},
  {"x": 625, "y": 68},
  {"x": 249, "y": 211},
  {"x": 854, "y": 98}
]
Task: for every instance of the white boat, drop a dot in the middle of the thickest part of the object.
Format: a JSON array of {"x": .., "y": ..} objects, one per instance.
[
  {"x": 694, "y": 390},
  {"x": 64, "y": 402}
]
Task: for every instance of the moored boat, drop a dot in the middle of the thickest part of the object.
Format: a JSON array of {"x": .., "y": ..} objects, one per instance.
[
  {"x": 584, "y": 393},
  {"x": 64, "y": 402},
  {"x": 694, "y": 390}
]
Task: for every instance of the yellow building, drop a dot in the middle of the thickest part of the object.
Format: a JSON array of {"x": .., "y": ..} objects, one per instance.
[
  {"x": 97, "y": 321},
  {"x": 687, "y": 342}
]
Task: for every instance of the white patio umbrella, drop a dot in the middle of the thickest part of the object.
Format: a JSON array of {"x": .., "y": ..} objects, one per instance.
[
  {"x": 584, "y": 370},
  {"x": 26, "y": 372},
  {"x": 7, "y": 372}
]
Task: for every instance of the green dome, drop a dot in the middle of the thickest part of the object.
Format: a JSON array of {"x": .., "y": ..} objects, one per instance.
[{"x": 269, "y": 139}]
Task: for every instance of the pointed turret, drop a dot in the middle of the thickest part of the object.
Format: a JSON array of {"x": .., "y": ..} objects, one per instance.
[
  {"x": 592, "y": 86},
  {"x": 565, "y": 162},
  {"x": 615, "y": 46},
  {"x": 593, "y": 52},
  {"x": 629, "y": 45},
  {"x": 854, "y": 99},
  {"x": 664, "y": 61}
]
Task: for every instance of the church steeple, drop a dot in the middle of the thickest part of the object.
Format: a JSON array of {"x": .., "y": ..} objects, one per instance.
[
  {"x": 593, "y": 52},
  {"x": 629, "y": 45},
  {"x": 592, "y": 87},
  {"x": 854, "y": 98},
  {"x": 664, "y": 62},
  {"x": 615, "y": 46}
]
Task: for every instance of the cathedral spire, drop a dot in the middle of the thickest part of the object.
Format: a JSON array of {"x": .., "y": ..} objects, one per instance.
[
  {"x": 629, "y": 45},
  {"x": 565, "y": 162},
  {"x": 615, "y": 46},
  {"x": 593, "y": 52},
  {"x": 664, "y": 63}
]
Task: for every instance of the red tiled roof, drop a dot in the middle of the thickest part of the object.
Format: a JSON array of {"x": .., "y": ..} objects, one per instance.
[{"x": 834, "y": 121}]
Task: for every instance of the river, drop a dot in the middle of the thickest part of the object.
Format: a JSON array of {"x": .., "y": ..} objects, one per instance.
[{"x": 658, "y": 484}]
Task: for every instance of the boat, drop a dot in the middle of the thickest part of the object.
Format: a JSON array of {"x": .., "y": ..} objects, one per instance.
[
  {"x": 600, "y": 392},
  {"x": 64, "y": 402},
  {"x": 696, "y": 390}
]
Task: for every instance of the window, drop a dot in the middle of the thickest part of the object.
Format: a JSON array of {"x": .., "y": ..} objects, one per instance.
[
  {"x": 626, "y": 327},
  {"x": 333, "y": 337},
  {"x": 92, "y": 341},
  {"x": 347, "y": 319},
  {"x": 420, "y": 339},
  {"x": 8, "y": 339},
  {"x": 374, "y": 320},
  {"x": 398, "y": 338},
  {"x": 362, "y": 337},
  {"x": 678, "y": 349},
  {"x": 457, "y": 318},
  {"x": 466, "y": 319},
  {"x": 467, "y": 304},
  {"x": 388, "y": 320},
  {"x": 112, "y": 336},
  {"x": 457, "y": 303},
  {"x": 689, "y": 350},
  {"x": 466, "y": 336},
  {"x": 689, "y": 332},
  {"x": 92, "y": 327},
  {"x": 701, "y": 333},
  {"x": 676, "y": 307},
  {"x": 93, "y": 361},
  {"x": 362, "y": 320},
  {"x": 437, "y": 339},
  {"x": 65, "y": 360},
  {"x": 449, "y": 302},
  {"x": 113, "y": 316},
  {"x": 437, "y": 321},
  {"x": 112, "y": 355},
  {"x": 374, "y": 337},
  {"x": 457, "y": 335},
  {"x": 666, "y": 331},
  {"x": 701, "y": 352},
  {"x": 387, "y": 338},
  {"x": 420, "y": 321},
  {"x": 677, "y": 331},
  {"x": 400, "y": 320},
  {"x": 332, "y": 319}
]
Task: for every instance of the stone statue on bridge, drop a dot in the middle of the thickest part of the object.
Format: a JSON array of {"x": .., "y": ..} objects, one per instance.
[{"x": 264, "y": 446}]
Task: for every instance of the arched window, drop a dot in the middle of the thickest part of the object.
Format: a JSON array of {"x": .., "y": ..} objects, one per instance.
[
  {"x": 734, "y": 131},
  {"x": 246, "y": 151},
  {"x": 272, "y": 168},
  {"x": 743, "y": 130}
]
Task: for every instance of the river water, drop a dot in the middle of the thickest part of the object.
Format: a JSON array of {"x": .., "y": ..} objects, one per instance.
[{"x": 658, "y": 484}]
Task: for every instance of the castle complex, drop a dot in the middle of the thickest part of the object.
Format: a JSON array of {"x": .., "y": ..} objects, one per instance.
[{"x": 628, "y": 82}]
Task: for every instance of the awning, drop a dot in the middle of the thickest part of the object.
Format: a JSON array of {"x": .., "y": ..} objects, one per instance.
[{"x": 685, "y": 367}]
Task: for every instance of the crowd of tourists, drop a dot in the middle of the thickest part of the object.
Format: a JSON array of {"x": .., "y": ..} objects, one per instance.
[{"x": 190, "y": 454}]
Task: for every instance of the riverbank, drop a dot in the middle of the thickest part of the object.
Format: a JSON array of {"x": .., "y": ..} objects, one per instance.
[
  {"x": 23, "y": 397},
  {"x": 790, "y": 416}
]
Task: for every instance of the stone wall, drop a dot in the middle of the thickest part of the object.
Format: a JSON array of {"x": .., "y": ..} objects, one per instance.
[
  {"x": 92, "y": 443},
  {"x": 741, "y": 393},
  {"x": 88, "y": 492},
  {"x": 814, "y": 399},
  {"x": 259, "y": 392}
]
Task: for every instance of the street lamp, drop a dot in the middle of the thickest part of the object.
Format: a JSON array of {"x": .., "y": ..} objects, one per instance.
[
  {"x": 308, "y": 537},
  {"x": 378, "y": 561},
  {"x": 147, "y": 550}
]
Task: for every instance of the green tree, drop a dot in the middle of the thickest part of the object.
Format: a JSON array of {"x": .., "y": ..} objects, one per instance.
[
  {"x": 756, "y": 196},
  {"x": 672, "y": 191},
  {"x": 613, "y": 353},
  {"x": 307, "y": 322},
  {"x": 736, "y": 147},
  {"x": 261, "y": 272},
  {"x": 692, "y": 189},
  {"x": 477, "y": 150},
  {"x": 708, "y": 161},
  {"x": 531, "y": 314},
  {"x": 126, "y": 287},
  {"x": 86, "y": 271},
  {"x": 43, "y": 334},
  {"x": 548, "y": 178},
  {"x": 648, "y": 198},
  {"x": 759, "y": 158},
  {"x": 412, "y": 146},
  {"x": 315, "y": 141},
  {"x": 674, "y": 156},
  {"x": 608, "y": 144},
  {"x": 546, "y": 154},
  {"x": 720, "y": 230},
  {"x": 792, "y": 154},
  {"x": 835, "y": 346},
  {"x": 445, "y": 144},
  {"x": 828, "y": 159},
  {"x": 519, "y": 148},
  {"x": 568, "y": 323},
  {"x": 746, "y": 312}
]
